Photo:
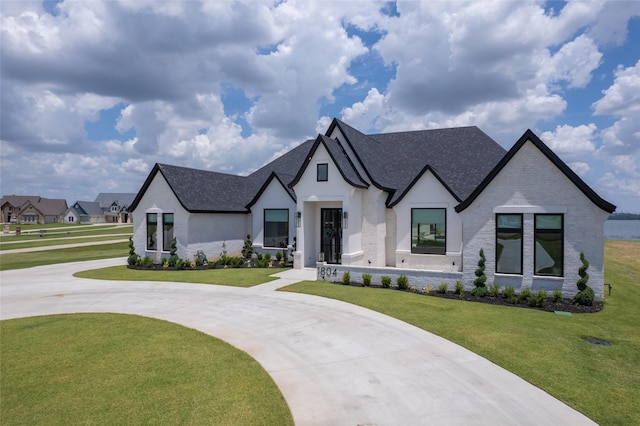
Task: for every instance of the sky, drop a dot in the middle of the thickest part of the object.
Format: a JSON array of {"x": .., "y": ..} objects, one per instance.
[{"x": 94, "y": 93}]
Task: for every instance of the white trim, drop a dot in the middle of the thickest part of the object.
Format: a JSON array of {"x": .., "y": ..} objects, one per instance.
[{"x": 530, "y": 209}]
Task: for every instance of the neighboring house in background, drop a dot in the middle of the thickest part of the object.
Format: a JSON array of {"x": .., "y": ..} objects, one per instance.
[
  {"x": 419, "y": 203},
  {"x": 32, "y": 209},
  {"x": 115, "y": 206},
  {"x": 84, "y": 212}
]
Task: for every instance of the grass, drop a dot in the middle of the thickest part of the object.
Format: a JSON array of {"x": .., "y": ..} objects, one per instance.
[
  {"x": 75, "y": 254},
  {"x": 238, "y": 277},
  {"x": 123, "y": 369},
  {"x": 542, "y": 348},
  {"x": 44, "y": 242}
]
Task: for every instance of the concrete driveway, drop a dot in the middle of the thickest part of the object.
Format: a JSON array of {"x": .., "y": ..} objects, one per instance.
[{"x": 335, "y": 363}]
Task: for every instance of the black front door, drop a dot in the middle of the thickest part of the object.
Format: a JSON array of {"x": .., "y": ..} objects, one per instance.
[{"x": 331, "y": 234}]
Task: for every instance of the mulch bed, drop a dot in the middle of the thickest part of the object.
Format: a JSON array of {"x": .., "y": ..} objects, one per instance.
[{"x": 549, "y": 305}]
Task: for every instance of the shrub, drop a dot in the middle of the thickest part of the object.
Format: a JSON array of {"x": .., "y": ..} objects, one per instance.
[
  {"x": 180, "y": 264},
  {"x": 479, "y": 292},
  {"x": 428, "y": 289},
  {"x": 198, "y": 261},
  {"x": 443, "y": 287},
  {"x": 403, "y": 282},
  {"x": 557, "y": 295},
  {"x": 247, "y": 248},
  {"x": 509, "y": 292},
  {"x": 525, "y": 294},
  {"x": 147, "y": 262},
  {"x": 480, "y": 276},
  {"x": 366, "y": 279},
  {"x": 385, "y": 281},
  {"x": 538, "y": 299},
  {"x": 237, "y": 261},
  {"x": 582, "y": 271},
  {"x": 585, "y": 297},
  {"x": 494, "y": 290},
  {"x": 459, "y": 287},
  {"x": 413, "y": 288},
  {"x": 346, "y": 278},
  {"x": 279, "y": 256},
  {"x": 133, "y": 257},
  {"x": 173, "y": 252}
]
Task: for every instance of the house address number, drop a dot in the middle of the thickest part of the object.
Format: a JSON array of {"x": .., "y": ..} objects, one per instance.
[{"x": 327, "y": 272}]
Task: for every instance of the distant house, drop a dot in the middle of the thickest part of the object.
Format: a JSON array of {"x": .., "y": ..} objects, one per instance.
[
  {"x": 115, "y": 206},
  {"x": 84, "y": 212},
  {"x": 420, "y": 203},
  {"x": 32, "y": 209}
]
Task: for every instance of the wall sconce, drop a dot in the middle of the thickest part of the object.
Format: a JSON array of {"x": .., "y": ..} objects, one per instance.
[
  {"x": 345, "y": 220},
  {"x": 298, "y": 219}
]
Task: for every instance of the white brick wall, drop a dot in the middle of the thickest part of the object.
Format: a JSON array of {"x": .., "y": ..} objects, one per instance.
[{"x": 530, "y": 184}]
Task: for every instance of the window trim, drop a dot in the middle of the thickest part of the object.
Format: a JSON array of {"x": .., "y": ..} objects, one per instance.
[
  {"x": 148, "y": 239},
  {"x": 322, "y": 177},
  {"x": 264, "y": 228},
  {"x": 521, "y": 243},
  {"x": 544, "y": 231},
  {"x": 434, "y": 249}
]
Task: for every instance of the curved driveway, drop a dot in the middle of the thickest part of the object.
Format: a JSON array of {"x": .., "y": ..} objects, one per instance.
[{"x": 335, "y": 363}]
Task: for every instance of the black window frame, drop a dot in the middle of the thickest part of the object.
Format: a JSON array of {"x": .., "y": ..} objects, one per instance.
[
  {"x": 280, "y": 244},
  {"x": 509, "y": 231},
  {"x": 152, "y": 232},
  {"x": 430, "y": 249},
  {"x": 166, "y": 244},
  {"x": 543, "y": 231},
  {"x": 322, "y": 172}
]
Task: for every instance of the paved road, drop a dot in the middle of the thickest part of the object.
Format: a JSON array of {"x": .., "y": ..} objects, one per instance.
[{"x": 335, "y": 363}]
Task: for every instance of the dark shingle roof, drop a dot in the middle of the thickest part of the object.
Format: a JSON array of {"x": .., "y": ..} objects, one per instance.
[
  {"x": 90, "y": 208},
  {"x": 122, "y": 199},
  {"x": 460, "y": 157}
]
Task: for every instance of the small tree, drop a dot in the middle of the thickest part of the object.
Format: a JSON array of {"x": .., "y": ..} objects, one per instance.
[
  {"x": 247, "y": 249},
  {"x": 133, "y": 257},
  {"x": 481, "y": 277},
  {"x": 582, "y": 271},
  {"x": 173, "y": 252},
  {"x": 585, "y": 294}
]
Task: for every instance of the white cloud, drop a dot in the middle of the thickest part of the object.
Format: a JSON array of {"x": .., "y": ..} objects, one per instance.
[
  {"x": 623, "y": 97},
  {"x": 571, "y": 142}
]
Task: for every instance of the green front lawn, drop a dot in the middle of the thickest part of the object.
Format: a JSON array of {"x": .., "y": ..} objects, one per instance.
[
  {"x": 238, "y": 277},
  {"x": 47, "y": 242},
  {"x": 75, "y": 254},
  {"x": 545, "y": 349},
  {"x": 120, "y": 369}
]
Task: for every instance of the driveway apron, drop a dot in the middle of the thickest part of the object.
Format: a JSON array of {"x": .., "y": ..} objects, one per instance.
[{"x": 335, "y": 363}]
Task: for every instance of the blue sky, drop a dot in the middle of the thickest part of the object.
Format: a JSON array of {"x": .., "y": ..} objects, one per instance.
[{"x": 94, "y": 93}]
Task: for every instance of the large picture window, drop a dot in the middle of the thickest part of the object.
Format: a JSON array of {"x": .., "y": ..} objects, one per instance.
[
  {"x": 549, "y": 245},
  {"x": 509, "y": 243},
  {"x": 428, "y": 231},
  {"x": 152, "y": 231},
  {"x": 276, "y": 228},
  {"x": 167, "y": 231}
]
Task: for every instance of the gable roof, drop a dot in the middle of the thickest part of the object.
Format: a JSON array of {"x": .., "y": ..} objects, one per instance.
[
  {"x": 570, "y": 174},
  {"x": 46, "y": 206},
  {"x": 121, "y": 199},
  {"x": 459, "y": 157},
  {"x": 340, "y": 158},
  {"x": 201, "y": 191},
  {"x": 90, "y": 208}
]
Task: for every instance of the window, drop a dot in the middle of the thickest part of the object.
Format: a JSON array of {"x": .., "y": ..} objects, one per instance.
[
  {"x": 509, "y": 243},
  {"x": 152, "y": 231},
  {"x": 276, "y": 228},
  {"x": 428, "y": 231},
  {"x": 167, "y": 231},
  {"x": 323, "y": 172},
  {"x": 549, "y": 245}
]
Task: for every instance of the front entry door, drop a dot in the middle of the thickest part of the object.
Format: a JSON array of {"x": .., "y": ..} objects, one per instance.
[{"x": 331, "y": 235}]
